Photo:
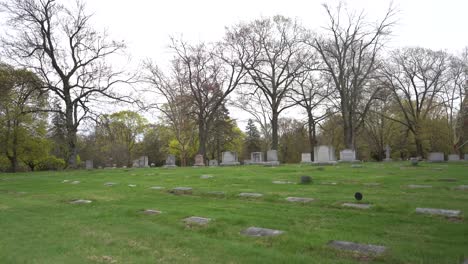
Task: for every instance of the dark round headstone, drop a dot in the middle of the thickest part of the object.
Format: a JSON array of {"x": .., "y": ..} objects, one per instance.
[
  {"x": 306, "y": 179},
  {"x": 358, "y": 196}
]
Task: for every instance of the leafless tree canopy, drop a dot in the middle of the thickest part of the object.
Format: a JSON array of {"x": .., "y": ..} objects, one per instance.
[
  {"x": 349, "y": 51},
  {"x": 58, "y": 43}
]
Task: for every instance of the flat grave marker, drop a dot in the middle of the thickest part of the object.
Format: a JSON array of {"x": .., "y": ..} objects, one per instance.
[{"x": 261, "y": 232}]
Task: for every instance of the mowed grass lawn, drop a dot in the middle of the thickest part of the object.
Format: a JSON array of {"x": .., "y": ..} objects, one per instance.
[{"x": 39, "y": 225}]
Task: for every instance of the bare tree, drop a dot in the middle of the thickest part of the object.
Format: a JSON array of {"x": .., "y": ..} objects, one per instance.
[
  {"x": 415, "y": 76},
  {"x": 177, "y": 108},
  {"x": 276, "y": 57},
  {"x": 312, "y": 93},
  {"x": 349, "y": 54},
  {"x": 57, "y": 43},
  {"x": 210, "y": 73}
]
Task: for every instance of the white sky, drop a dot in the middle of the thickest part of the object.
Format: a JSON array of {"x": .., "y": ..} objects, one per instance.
[{"x": 146, "y": 25}]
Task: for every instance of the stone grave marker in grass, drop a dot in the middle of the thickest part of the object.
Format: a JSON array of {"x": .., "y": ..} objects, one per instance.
[
  {"x": 282, "y": 182},
  {"x": 356, "y": 205},
  {"x": 306, "y": 179},
  {"x": 216, "y": 193},
  {"x": 196, "y": 220},
  {"x": 251, "y": 195},
  {"x": 365, "y": 249},
  {"x": 181, "y": 190},
  {"x": 299, "y": 199},
  {"x": 418, "y": 186},
  {"x": 131, "y": 185},
  {"x": 80, "y": 201},
  {"x": 435, "y": 211},
  {"x": 156, "y": 188},
  {"x": 75, "y": 182},
  {"x": 206, "y": 176},
  {"x": 462, "y": 187},
  {"x": 260, "y": 232},
  {"x": 371, "y": 184},
  {"x": 110, "y": 184},
  {"x": 65, "y": 181},
  {"x": 151, "y": 212}
]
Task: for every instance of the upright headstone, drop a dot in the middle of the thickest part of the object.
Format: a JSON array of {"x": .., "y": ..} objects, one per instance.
[
  {"x": 170, "y": 161},
  {"x": 272, "y": 158},
  {"x": 199, "y": 161},
  {"x": 466, "y": 157},
  {"x": 387, "y": 153},
  {"x": 324, "y": 155},
  {"x": 256, "y": 158},
  {"x": 213, "y": 163},
  {"x": 348, "y": 155},
  {"x": 306, "y": 158},
  {"x": 89, "y": 164},
  {"x": 229, "y": 159},
  {"x": 136, "y": 163},
  {"x": 143, "y": 161},
  {"x": 435, "y": 157},
  {"x": 453, "y": 157}
]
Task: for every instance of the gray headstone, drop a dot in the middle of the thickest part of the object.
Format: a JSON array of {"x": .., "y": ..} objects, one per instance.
[
  {"x": 348, "y": 155},
  {"x": 136, "y": 163},
  {"x": 453, "y": 157},
  {"x": 199, "y": 161},
  {"x": 261, "y": 232},
  {"x": 443, "y": 212},
  {"x": 359, "y": 206},
  {"x": 306, "y": 158},
  {"x": 324, "y": 154},
  {"x": 197, "y": 220},
  {"x": 80, "y": 201},
  {"x": 361, "y": 248},
  {"x": 256, "y": 158},
  {"x": 213, "y": 163},
  {"x": 251, "y": 195},
  {"x": 417, "y": 186},
  {"x": 435, "y": 157},
  {"x": 387, "y": 153},
  {"x": 299, "y": 199},
  {"x": 206, "y": 176},
  {"x": 462, "y": 187},
  {"x": 170, "y": 161},
  {"x": 272, "y": 158},
  {"x": 181, "y": 190},
  {"x": 466, "y": 157},
  {"x": 151, "y": 212},
  {"x": 89, "y": 165},
  {"x": 229, "y": 159}
]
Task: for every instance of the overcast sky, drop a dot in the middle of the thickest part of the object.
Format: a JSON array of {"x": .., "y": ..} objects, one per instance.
[{"x": 146, "y": 25}]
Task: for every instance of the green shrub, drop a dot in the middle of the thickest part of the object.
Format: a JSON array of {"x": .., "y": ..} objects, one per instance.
[{"x": 51, "y": 163}]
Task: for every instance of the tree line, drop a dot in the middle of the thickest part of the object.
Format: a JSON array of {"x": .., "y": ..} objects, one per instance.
[{"x": 351, "y": 91}]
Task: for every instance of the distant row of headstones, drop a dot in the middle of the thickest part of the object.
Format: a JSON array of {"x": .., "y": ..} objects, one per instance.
[{"x": 322, "y": 155}]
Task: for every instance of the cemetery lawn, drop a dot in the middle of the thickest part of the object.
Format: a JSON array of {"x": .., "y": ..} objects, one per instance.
[{"x": 39, "y": 225}]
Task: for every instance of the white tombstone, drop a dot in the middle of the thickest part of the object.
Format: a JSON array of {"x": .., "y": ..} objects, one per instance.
[
  {"x": 229, "y": 159},
  {"x": 213, "y": 163},
  {"x": 306, "y": 158},
  {"x": 435, "y": 157},
  {"x": 136, "y": 163},
  {"x": 256, "y": 158},
  {"x": 453, "y": 157},
  {"x": 199, "y": 161},
  {"x": 324, "y": 155},
  {"x": 143, "y": 161},
  {"x": 348, "y": 155},
  {"x": 272, "y": 157},
  {"x": 170, "y": 162},
  {"x": 89, "y": 165}
]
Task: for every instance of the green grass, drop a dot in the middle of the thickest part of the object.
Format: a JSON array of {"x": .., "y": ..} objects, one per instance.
[{"x": 38, "y": 225}]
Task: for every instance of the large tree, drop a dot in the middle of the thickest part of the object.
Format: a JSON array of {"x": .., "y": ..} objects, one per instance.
[
  {"x": 207, "y": 74},
  {"x": 349, "y": 51},
  {"x": 58, "y": 43},
  {"x": 21, "y": 127},
  {"x": 276, "y": 57},
  {"x": 415, "y": 77}
]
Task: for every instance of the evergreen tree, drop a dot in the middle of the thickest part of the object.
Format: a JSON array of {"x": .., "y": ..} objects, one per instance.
[{"x": 252, "y": 141}]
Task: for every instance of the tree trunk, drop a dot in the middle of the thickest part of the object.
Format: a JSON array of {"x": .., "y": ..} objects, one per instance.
[
  {"x": 274, "y": 130},
  {"x": 312, "y": 135},
  {"x": 348, "y": 135},
  {"x": 202, "y": 139}
]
